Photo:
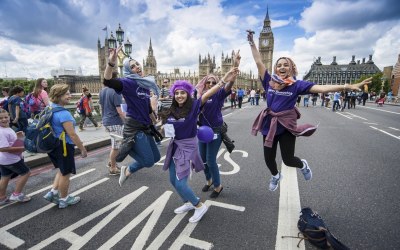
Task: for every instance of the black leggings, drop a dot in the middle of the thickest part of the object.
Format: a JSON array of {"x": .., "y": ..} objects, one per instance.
[{"x": 287, "y": 143}]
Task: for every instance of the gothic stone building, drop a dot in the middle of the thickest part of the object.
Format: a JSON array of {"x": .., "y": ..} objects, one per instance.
[
  {"x": 335, "y": 73},
  {"x": 395, "y": 78}
]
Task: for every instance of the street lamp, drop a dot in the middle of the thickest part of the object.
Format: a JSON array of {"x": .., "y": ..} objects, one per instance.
[
  {"x": 112, "y": 43},
  {"x": 120, "y": 34},
  {"x": 128, "y": 47}
]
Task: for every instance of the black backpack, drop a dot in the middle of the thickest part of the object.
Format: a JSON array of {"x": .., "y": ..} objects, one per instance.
[
  {"x": 313, "y": 229},
  {"x": 40, "y": 137}
]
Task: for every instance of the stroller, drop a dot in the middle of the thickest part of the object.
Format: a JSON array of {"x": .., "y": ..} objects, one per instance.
[{"x": 380, "y": 101}]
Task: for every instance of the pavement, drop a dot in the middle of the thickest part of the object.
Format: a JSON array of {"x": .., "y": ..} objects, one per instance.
[{"x": 91, "y": 137}]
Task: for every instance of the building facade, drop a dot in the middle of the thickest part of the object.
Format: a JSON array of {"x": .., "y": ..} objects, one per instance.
[
  {"x": 266, "y": 43},
  {"x": 395, "y": 79},
  {"x": 335, "y": 73}
]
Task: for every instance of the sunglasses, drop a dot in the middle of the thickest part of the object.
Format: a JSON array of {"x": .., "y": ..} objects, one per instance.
[{"x": 211, "y": 82}]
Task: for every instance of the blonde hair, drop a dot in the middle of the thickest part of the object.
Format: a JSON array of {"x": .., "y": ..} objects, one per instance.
[{"x": 57, "y": 91}]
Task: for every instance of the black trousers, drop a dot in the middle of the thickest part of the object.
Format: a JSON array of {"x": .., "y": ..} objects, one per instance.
[
  {"x": 287, "y": 143},
  {"x": 240, "y": 100}
]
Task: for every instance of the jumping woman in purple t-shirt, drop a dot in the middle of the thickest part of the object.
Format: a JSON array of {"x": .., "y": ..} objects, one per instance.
[
  {"x": 278, "y": 122},
  {"x": 211, "y": 116},
  {"x": 180, "y": 123}
]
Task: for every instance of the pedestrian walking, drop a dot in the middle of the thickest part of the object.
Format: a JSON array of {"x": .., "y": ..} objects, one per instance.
[
  {"x": 257, "y": 96},
  {"x": 183, "y": 152},
  {"x": 19, "y": 118},
  {"x": 278, "y": 122},
  {"x": 63, "y": 156},
  {"x": 40, "y": 98},
  {"x": 233, "y": 98},
  {"x": 138, "y": 136},
  {"x": 240, "y": 95},
  {"x": 112, "y": 118},
  {"x": 86, "y": 100},
  {"x": 11, "y": 161},
  {"x": 211, "y": 116}
]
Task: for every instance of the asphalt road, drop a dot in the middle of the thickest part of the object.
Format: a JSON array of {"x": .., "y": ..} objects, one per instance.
[{"x": 354, "y": 156}]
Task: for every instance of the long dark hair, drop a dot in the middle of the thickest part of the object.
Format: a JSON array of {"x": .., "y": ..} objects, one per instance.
[
  {"x": 38, "y": 87},
  {"x": 176, "y": 111}
]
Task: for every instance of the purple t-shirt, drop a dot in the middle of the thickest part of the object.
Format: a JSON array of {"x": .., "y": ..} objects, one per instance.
[
  {"x": 281, "y": 100},
  {"x": 211, "y": 114},
  {"x": 186, "y": 127},
  {"x": 137, "y": 100}
]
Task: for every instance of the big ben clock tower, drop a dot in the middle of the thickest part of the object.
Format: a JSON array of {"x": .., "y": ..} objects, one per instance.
[{"x": 266, "y": 44}]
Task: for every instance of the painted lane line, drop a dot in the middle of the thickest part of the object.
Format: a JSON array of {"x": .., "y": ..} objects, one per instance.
[
  {"x": 383, "y": 131},
  {"x": 348, "y": 117},
  {"x": 12, "y": 241},
  {"x": 397, "y": 113},
  {"x": 49, "y": 187},
  {"x": 394, "y": 128},
  {"x": 357, "y": 116},
  {"x": 371, "y": 123},
  {"x": 289, "y": 210}
]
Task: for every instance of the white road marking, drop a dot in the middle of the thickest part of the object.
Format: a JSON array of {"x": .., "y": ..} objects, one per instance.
[
  {"x": 382, "y": 110},
  {"x": 394, "y": 128},
  {"x": 12, "y": 241},
  {"x": 348, "y": 117},
  {"x": 371, "y": 123},
  {"x": 289, "y": 210},
  {"x": 383, "y": 131},
  {"x": 357, "y": 116}
]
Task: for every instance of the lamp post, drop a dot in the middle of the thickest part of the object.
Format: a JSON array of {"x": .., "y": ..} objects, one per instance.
[{"x": 112, "y": 43}]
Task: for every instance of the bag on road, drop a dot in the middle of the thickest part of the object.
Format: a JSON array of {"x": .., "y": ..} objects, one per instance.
[{"x": 313, "y": 229}]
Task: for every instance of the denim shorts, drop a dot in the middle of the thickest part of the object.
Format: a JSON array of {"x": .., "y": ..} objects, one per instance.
[
  {"x": 65, "y": 164},
  {"x": 16, "y": 168}
]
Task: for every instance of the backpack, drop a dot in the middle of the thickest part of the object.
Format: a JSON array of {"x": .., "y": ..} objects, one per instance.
[
  {"x": 313, "y": 229},
  {"x": 33, "y": 102},
  {"x": 39, "y": 135},
  {"x": 24, "y": 105},
  {"x": 79, "y": 106}
]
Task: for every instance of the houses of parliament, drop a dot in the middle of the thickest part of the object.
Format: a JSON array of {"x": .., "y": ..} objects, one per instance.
[{"x": 207, "y": 65}]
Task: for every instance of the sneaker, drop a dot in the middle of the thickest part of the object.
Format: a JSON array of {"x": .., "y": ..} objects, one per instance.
[
  {"x": 116, "y": 165},
  {"x": 51, "y": 197},
  {"x": 198, "y": 213},
  {"x": 81, "y": 129},
  {"x": 184, "y": 208},
  {"x": 274, "y": 182},
  {"x": 4, "y": 201},
  {"x": 115, "y": 171},
  {"x": 20, "y": 198},
  {"x": 99, "y": 126},
  {"x": 71, "y": 200},
  {"x": 122, "y": 176},
  {"x": 306, "y": 170}
]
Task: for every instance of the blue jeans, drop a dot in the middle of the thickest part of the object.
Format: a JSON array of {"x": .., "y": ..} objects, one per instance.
[
  {"x": 208, "y": 152},
  {"x": 144, "y": 151},
  {"x": 181, "y": 186}
]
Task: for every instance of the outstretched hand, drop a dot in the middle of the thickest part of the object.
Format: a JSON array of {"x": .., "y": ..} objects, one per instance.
[
  {"x": 113, "y": 53},
  {"x": 359, "y": 85},
  {"x": 250, "y": 34},
  {"x": 236, "y": 59},
  {"x": 231, "y": 75}
]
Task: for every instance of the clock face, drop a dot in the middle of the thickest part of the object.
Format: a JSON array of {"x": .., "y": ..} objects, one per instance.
[{"x": 265, "y": 42}]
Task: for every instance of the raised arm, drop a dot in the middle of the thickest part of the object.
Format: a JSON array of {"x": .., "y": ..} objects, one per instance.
[
  {"x": 332, "y": 88},
  {"x": 230, "y": 76},
  {"x": 112, "y": 60},
  {"x": 256, "y": 55}
]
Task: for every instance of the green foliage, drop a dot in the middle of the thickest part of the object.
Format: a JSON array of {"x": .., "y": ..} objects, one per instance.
[
  {"x": 376, "y": 83},
  {"x": 28, "y": 85}
]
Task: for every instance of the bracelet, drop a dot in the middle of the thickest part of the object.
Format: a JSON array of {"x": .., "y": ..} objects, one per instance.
[{"x": 111, "y": 65}]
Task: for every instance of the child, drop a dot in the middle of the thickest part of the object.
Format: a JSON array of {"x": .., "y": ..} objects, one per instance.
[{"x": 11, "y": 148}]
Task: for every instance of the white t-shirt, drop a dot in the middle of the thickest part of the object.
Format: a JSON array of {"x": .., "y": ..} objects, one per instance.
[{"x": 7, "y": 138}]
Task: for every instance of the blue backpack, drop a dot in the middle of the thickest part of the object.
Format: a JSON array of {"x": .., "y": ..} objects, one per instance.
[
  {"x": 314, "y": 229},
  {"x": 79, "y": 105},
  {"x": 24, "y": 105},
  {"x": 40, "y": 137}
]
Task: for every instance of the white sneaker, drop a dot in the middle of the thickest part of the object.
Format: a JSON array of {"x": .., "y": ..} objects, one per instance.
[
  {"x": 198, "y": 213},
  {"x": 184, "y": 208},
  {"x": 122, "y": 176}
]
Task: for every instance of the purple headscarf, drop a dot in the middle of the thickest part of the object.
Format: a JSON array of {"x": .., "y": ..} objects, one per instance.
[{"x": 183, "y": 85}]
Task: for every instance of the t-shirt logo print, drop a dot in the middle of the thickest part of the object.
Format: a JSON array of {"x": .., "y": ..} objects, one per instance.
[{"x": 142, "y": 93}]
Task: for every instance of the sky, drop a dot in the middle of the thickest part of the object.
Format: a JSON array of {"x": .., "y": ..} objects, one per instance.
[{"x": 38, "y": 36}]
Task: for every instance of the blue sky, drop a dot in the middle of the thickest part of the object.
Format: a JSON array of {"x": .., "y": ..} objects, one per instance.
[{"x": 40, "y": 35}]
